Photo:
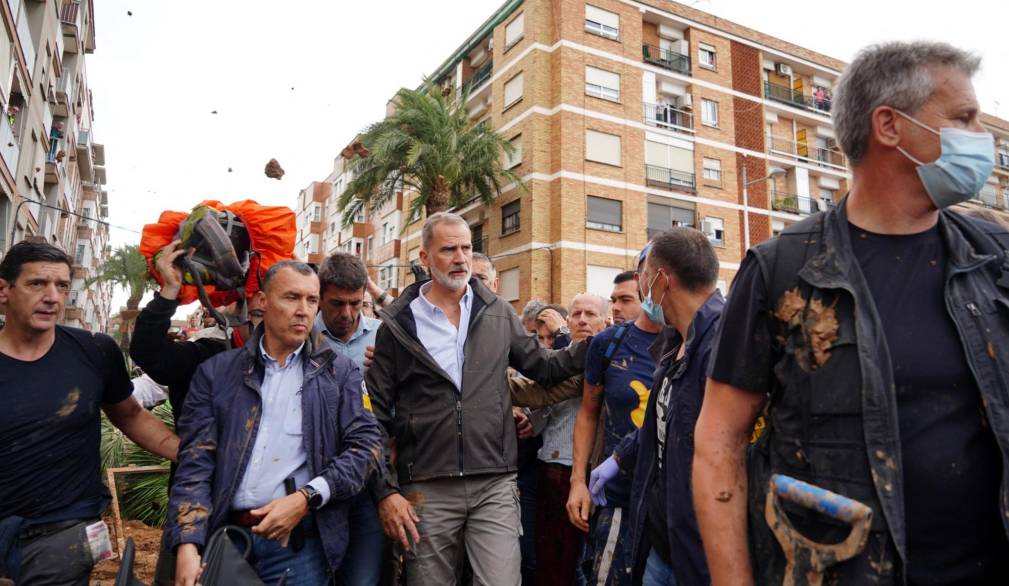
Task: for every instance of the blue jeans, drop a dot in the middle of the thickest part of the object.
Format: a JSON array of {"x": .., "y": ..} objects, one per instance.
[
  {"x": 658, "y": 572},
  {"x": 307, "y": 567},
  {"x": 362, "y": 566}
]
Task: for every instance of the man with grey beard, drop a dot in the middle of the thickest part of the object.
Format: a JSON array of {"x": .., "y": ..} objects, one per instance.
[{"x": 439, "y": 389}]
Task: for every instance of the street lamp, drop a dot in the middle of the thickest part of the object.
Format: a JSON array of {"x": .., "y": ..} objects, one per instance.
[{"x": 774, "y": 172}]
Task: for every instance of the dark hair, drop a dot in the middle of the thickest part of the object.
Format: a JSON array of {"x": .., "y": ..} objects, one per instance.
[
  {"x": 688, "y": 254},
  {"x": 556, "y": 307},
  {"x": 27, "y": 251},
  {"x": 295, "y": 265},
  {"x": 623, "y": 277},
  {"x": 344, "y": 271}
]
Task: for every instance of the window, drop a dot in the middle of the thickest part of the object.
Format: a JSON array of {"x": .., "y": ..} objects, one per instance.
[
  {"x": 602, "y": 22},
  {"x": 513, "y": 90},
  {"x": 515, "y": 158},
  {"x": 714, "y": 229},
  {"x": 603, "y": 84},
  {"x": 713, "y": 170},
  {"x": 508, "y": 285},
  {"x": 510, "y": 217},
  {"x": 515, "y": 30},
  {"x": 604, "y": 214},
  {"x": 599, "y": 279},
  {"x": 663, "y": 217},
  {"x": 476, "y": 233},
  {"x": 709, "y": 113},
  {"x": 602, "y": 147},
  {"x": 827, "y": 197},
  {"x": 705, "y": 56},
  {"x": 668, "y": 165},
  {"x": 1002, "y": 159},
  {"x": 371, "y": 245},
  {"x": 385, "y": 232},
  {"x": 357, "y": 248},
  {"x": 316, "y": 213},
  {"x": 387, "y": 276},
  {"x": 79, "y": 257},
  {"x": 359, "y": 217},
  {"x": 777, "y": 227}
]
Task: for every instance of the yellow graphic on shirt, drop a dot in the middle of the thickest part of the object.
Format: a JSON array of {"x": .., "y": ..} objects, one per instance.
[{"x": 638, "y": 415}]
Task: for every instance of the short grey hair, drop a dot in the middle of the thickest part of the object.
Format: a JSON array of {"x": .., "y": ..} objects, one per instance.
[
  {"x": 891, "y": 74},
  {"x": 481, "y": 257},
  {"x": 295, "y": 265},
  {"x": 427, "y": 233},
  {"x": 604, "y": 303},
  {"x": 532, "y": 309}
]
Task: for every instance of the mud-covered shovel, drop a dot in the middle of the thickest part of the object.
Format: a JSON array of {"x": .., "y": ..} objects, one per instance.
[{"x": 808, "y": 560}]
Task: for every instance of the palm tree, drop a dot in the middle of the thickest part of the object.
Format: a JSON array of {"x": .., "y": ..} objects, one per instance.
[
  {"x": 126, "y": 268},
  {"x": 430, "y": 145}
]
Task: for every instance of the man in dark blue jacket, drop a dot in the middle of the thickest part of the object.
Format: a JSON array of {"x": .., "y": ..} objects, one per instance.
[
  {"x": 678, "y": 280},
  {"x": 257, "y": 417}
]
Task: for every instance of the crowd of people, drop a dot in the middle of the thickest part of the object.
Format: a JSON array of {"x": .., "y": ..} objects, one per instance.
[{"x": 620, "y": 441}]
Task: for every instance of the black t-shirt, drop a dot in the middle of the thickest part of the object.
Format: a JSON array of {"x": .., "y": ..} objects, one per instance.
[
  {"x": 50, "y": 427},
  {"x": 951, "y": 463}
]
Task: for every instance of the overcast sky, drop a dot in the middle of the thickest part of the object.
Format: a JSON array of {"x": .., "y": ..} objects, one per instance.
[{"x": 296, "y": 80}]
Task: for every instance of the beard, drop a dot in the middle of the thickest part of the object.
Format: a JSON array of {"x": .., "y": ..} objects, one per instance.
[{"x": 453, "y": 284}]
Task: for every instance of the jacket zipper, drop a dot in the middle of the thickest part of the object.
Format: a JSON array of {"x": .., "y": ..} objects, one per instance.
[{"x": 458, "y": 423}]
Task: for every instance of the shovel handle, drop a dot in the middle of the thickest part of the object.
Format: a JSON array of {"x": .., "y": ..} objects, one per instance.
[{"x": 820, "y": 500}]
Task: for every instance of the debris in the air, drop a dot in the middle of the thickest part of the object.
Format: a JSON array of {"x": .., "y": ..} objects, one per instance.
[
  {"x": 355, "y": 148},
  {"x": 129, "y": 13},
  {"x": 274, "y": 170},
  {"x": 229, "y": 169},
  {"x": 213, "y": 111}
]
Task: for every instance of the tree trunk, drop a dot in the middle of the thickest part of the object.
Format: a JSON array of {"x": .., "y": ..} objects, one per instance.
[{"x": 438, "y": 201}]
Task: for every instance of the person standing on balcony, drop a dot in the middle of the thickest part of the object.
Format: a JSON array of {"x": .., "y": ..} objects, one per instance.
[
  {"x": 876, "y": 337},
  {"x": 438, "y": 386}
]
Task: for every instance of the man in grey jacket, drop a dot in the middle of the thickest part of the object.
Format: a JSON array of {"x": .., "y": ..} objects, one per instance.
[{"x": 439, "y": 389}]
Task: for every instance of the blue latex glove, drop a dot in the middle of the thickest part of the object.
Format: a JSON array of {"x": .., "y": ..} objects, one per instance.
[{"x": 602, "y": 474}]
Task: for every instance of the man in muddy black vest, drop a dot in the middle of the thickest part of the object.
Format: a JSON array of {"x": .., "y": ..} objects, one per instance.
[{"x": 877, "y": 334}]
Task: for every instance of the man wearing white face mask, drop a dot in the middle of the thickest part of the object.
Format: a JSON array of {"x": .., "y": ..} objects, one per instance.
[{"x": 877, "y": 336}]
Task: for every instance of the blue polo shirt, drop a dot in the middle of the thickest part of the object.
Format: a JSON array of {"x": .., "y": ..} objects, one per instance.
[{"x": 353, "y": 348}]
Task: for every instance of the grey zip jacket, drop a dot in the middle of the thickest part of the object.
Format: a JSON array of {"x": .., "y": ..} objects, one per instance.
[{"x": 435, "y": 430}]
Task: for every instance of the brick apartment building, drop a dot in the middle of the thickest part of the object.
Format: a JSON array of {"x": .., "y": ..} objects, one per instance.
[
  {"x": 630, "y": 117},
  {"x": 53, "y": 173}
]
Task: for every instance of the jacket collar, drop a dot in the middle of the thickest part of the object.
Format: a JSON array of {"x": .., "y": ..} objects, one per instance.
[
  {"x": 668, "y": 343},
  {"x": 831, "y": 267},
  {"x": 316, "y": 353},
  {"x": 402, "y": 303}
]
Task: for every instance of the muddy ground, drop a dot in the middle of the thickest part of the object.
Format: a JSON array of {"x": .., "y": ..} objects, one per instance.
[{"x": 147, "y": 540}]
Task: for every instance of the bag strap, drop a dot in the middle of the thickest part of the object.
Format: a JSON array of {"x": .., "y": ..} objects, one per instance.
[{"x": 615, "y": 342}]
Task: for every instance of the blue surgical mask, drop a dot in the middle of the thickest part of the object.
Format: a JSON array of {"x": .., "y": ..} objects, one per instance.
[
  {"x": 964, "y": 165},
  {"x": 652, "y": 308}
]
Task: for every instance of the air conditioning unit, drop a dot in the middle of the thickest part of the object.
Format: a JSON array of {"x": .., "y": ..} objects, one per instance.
[
  {"x": 682, "y": 47},
  {"x": 685, "y": 102},
  {"x": 783, "y": 69}
]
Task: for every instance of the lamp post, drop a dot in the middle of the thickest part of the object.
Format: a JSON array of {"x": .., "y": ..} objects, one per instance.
[
  {"x": 63, "y": 213},
  {"x": 774, "y": 172}
]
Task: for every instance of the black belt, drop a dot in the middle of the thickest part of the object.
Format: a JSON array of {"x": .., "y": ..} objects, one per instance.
[{"x": 46, "y": 529}]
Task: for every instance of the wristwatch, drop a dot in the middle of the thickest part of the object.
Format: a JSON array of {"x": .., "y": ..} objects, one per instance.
[
  {"x": 562, "y": 331},
  {"x": 381, "y": 298},
  {"x": 313, "y": 496}
]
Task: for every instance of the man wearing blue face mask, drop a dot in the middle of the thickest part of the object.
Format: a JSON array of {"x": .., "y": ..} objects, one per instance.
[{"x": 876, "y": 336}]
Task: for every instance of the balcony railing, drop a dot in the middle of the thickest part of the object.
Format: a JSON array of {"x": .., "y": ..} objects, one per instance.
[
  {"x": 822, "y": 157},
  {"x": 795, "y": 204},
  {"x": 666, "y": 59},
  {"x": 785, "y": 94},
  {"x": 480, "y": 76},
  {"x": 1002, "y": 161},
  {"x": 670, "y": 178},
  {"x": 666, "y": 116}
]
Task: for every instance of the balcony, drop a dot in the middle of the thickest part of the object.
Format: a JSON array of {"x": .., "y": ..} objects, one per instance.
[
  {"x": 85, "y": 159},
  {"x": 1002, "y": 161},
  {"x": 666, "y": 59},
  {"x": 9, "y": 146},
  {"x": 25, "y": 41},
  {"x": 669, "y": 178},
  {"x": 70, "y": 20},
  {"x": 795, "y": 204},
  {"x": 801, "y": 151},
  {"x": 64, "y": 95},
  {"x": 98, "y": 152},
  {"x": 480, "y": 77},
  {"x": 666, "y": 116},
  {"x": 787, "y": 95}
]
